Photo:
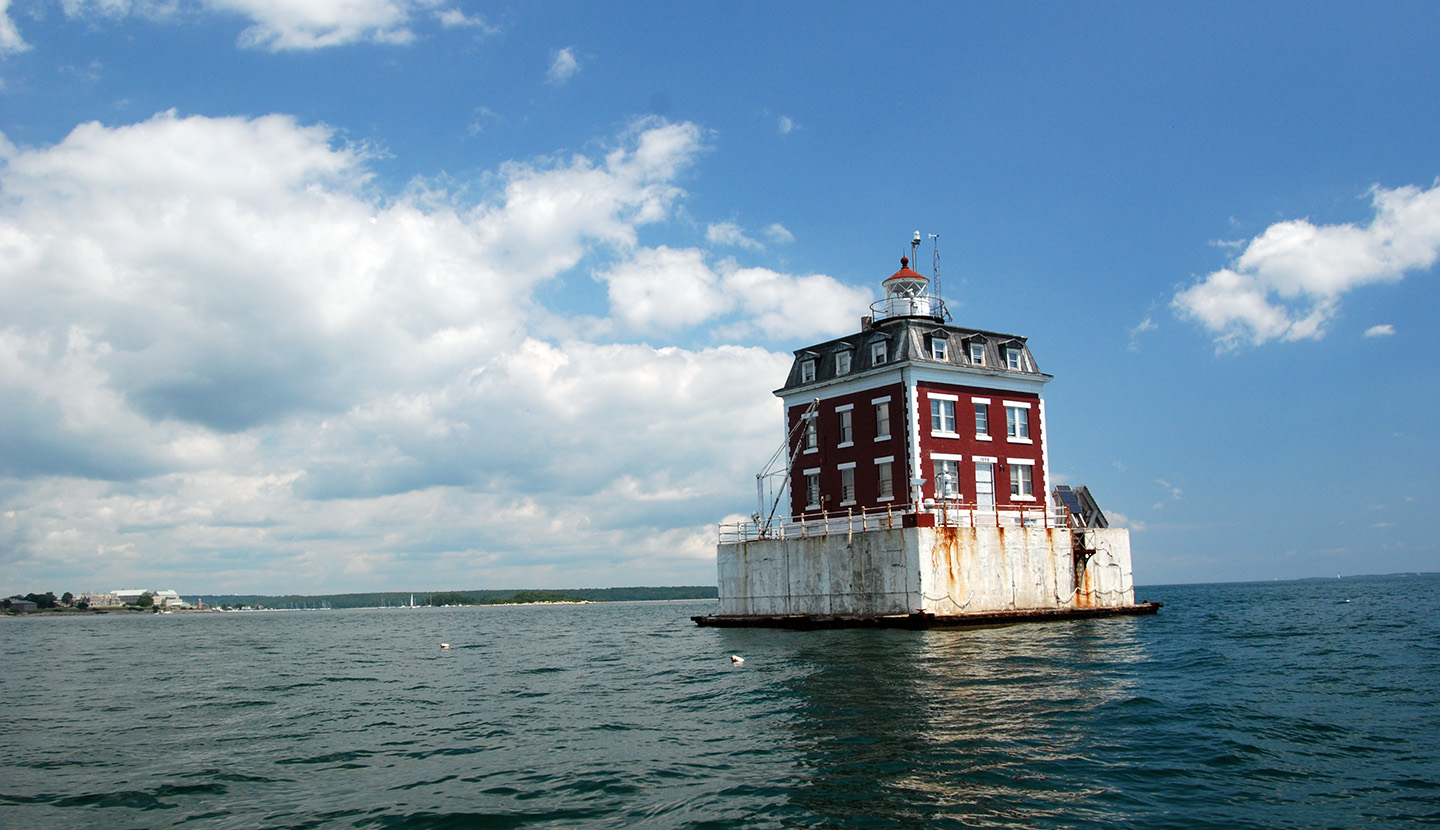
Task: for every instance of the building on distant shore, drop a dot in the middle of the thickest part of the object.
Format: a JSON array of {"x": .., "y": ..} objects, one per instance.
[{"x": 131, "y": 596}]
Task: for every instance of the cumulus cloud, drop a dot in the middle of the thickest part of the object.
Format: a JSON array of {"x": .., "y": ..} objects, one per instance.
[
  {"x": 10, "y": 40},
  {"x": 662, "y": 288},
  {"x": 1383, "y": 330},
  {"x": 281, "y": 25},
  {"x": 563, "y": 67},
  {"x": 228, "y": 361},
  {"x": 1288, "y": 282}
]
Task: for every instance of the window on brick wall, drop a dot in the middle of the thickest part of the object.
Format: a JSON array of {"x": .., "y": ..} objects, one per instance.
[
  {"x": 1017, "y": 423},
  {"x": 1022, "y": 481},
  {"x": 847, "y": 485},
  {"x": 942, "y": 415},
  {"x": 885, "y": 471},
  {"x": 947, "y": 478}
]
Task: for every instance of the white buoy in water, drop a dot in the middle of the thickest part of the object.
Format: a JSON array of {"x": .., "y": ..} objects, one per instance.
[
  {"x": 444, "y": 645},
  {"x": 736, "y": 659}
]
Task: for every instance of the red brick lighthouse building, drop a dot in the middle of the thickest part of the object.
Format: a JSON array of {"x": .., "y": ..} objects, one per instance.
[
  {"x": 912, "y": 408},
  {"x": 917, "y": 466}
]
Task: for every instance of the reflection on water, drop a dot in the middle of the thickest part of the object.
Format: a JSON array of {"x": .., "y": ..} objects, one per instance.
[{"x": 992, "y": 724}]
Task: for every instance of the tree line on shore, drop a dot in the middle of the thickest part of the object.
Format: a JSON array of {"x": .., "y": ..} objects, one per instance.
[
  {"x": 380, "y": 599},
  {"x": 69, "y": 602}
]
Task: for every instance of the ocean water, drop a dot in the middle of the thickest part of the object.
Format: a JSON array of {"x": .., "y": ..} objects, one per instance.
[{"x": 1241, "y": 705}]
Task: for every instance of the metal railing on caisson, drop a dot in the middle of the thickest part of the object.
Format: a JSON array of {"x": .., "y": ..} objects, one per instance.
[
  {"x": 946, "y": 513},
  {"x": 953, "y": 513}
]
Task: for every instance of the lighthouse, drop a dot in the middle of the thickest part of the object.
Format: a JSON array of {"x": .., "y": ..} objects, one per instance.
[
  {"x": 913, "y": 487},
  {"x": 913, "y": 408}
]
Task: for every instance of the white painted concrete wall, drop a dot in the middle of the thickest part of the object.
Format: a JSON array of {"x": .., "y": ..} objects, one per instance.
[
  {"x": 941, "y": 571},
  {"x": 1107, "y": 580},
  {"x": 996, "y": 569},
  {"x": 864, "y": 574}
]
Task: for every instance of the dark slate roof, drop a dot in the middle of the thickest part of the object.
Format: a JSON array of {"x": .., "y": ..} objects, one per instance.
[{"x": 908, "y": 339}]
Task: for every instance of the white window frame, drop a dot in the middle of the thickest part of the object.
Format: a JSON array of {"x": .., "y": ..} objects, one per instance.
[
  {"x": 807, "y": 370},
  {"x": 842, "y": 362},
  {"x": 939, "y": 347},
  {"x": 812, "y": 488},
  {"x": 982, "y": 435},
  {"x": 846, "y": 416},
  {"x": 1022, "y": 487},
  {"x": 882, "y": 405},
  {"x": 885, "y": 476},
  {"x": 1017, "y": 428},
  {"x": 847, "y": 483},
  {"x": 977, "y": 353},
  {"x": 1014, "y": 358},
  {"x": 812, "y": 434},
  {"x": 879, "y": 352},
  {"x": 944, "y": 402},
  {"x": 952, "y": 462}
]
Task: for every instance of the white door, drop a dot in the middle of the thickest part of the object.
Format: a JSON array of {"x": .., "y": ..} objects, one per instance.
[{"x": 985, "y": 485}]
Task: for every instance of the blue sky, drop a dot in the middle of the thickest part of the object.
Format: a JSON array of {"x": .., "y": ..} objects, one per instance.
[{"x": 312, "y": 296}]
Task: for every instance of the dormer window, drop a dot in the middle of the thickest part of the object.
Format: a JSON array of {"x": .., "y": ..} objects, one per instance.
[
  {"x": 842, "y": 363},
  {"x": 937, "y": 347},
  {"x": 977, "y": 353},
  {"x": 1014, "y": 359},
  {"x": 879, "y": 353},
  {"x": 807, "y": 371}
]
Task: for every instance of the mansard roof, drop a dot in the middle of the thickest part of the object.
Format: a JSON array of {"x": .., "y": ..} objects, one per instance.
[{"x": 908, "y": 341}]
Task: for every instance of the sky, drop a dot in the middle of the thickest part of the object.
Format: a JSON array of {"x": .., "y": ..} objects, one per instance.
[{"x": 309, "y": 296}]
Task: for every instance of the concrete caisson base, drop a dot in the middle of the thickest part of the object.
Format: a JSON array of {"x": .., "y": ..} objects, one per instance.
[{"x": 925, "y": 577}]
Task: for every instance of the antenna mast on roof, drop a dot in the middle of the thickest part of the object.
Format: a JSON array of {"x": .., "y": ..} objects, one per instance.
[{"x": 936, "y": 266}]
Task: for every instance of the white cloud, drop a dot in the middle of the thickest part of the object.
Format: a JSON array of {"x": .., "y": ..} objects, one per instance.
[
  {"x": 729, "y": 233},
  {"x": 1175, "y": 492},
  {"x": 786, "y": 125},
  {"x": 663, "y": 288},
  {"x": 313, "y": 24},
  {"x": 1288, "y": 282},
  {"x": 778, "y": 233},
  {"x": 228, "y": 363},
  {"x": 281, "y": 25},
  {"x": 10, "y": 40},
  {"x": 1383, "y": 330},
  {"x": 563, "y": 67},
  {"x": 1146, "y": 325},
  {"x": 455, "y": 17}
]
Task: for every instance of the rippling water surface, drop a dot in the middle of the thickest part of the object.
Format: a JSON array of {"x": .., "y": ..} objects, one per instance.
[{"x": 1250, "y": 705}]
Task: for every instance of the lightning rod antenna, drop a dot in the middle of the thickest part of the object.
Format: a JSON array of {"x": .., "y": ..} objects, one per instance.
[{"x": 936, "y": 264}]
